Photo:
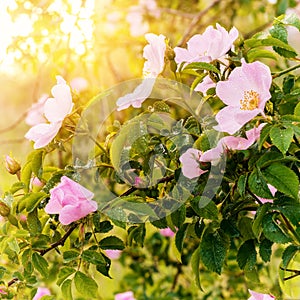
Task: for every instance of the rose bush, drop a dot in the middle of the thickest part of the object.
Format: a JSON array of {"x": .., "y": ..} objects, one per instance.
[{"x": 168, "y": 177}]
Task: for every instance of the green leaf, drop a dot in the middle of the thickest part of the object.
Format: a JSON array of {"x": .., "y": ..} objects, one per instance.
[
  {"x": 26, "y": 175},
  {"x": 213, "y": 248},
  {"x": 268, "y": 158},
  {"x": 93, "y": 257},
  {"x": 30, "y": 201},
  {"x": 202, "y": 66},
  {"x": 16, "y": 187},
  {"x": 264, "y": 135},
  {"x": 13, "y": 245},
  {"x": 272, "y": 231},
  {"x": 290, "y": 208},
  {"x": 265, "y": 250},
  {"x": 104, "y": 269},
  {"x": 111, "y": 243},
  {"x": 254, "y": 54},
  {"x": 64, "y": 273},
  {"x": 105, "y": 226},
  {"x": 283, "y": 179},
  {"x": 288, "y": 254},
  {"x": 282, "y": 138},
  {"x": 70, "y": 255},
  {"x": 40, "y": 264},
  {"x": 280, "y": 32},
  {"x": 258, "y": 185},
  {"x": 85, "y": 285},
  {"x": 66, "y": 289},
  {"x": 178, "y": 216},
  {"x": 33, "y": 223},
  {"x": 210, "y": 211},
  {"x": 195, "y": 263},
  {"x": 257, "y": 223},
  {"x": 297, "y": 110},
  {"x": 137, "y": 234},
  {"x": 245, "y": 228},
  {"x": 37, "y": 163},
  {"x": 180, "y": 236},
  {"x": 291, "y": 19},
  {"x": 246, "y": 256},
  {"x": 241, "y": 185}
]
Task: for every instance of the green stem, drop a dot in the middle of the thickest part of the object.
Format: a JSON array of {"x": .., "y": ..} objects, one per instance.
[{"x": 278, "y": 74}]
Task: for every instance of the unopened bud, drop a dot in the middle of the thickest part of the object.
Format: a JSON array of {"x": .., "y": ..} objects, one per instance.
[
  {"x": 4, "y": 209},
  {"x": 11, "y": 165}
]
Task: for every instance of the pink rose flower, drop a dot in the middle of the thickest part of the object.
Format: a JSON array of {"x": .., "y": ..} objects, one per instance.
[
  {"x": 35, "y": 114},
  {"x": 125, "y": 296},
  {"x": 71, "y": 201},
  {"x": 259, "y": 296},
  {"x": 167, "y": 232},
  {"x": 154, "y": 53},
  {"x": 138, "y": 96},
  {"x": 212, "y": 44},
  {"x": 245, "y": 93},
  {"x": 191, "y": 163},
  {"x": 232, "y": 143},
  {"x": 113, "y": 254},
  {"x": 41, "y": 291},
  {"x": 55, "y": 110}
]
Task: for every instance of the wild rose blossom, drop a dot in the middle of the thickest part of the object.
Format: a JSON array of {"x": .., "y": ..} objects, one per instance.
[
  {"x": 245, "y": 93},
  {"x": 113, "y": 254},
  {"x": 154, "y": 54},
  {"x": 190, "y": 161},
  {"x": 259, "y": 296},
  {"x": 212, "y": 44},
  {"x": 232, "y": 143},
  {"x": 71, "y": 201},
  {"x": 125, "y": 296},
  {"x": 205, "y": 85},
  {"x": 167, "y": 232},
  {"x": 55, "y": 111},
  {"x": 41, "y": 291},
  {"x": 35, "y": 115}
]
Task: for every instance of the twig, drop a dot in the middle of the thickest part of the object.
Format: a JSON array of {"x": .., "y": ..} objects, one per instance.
[
  {"x": 258, "y": 29},
  {"x": 278, "y": 74},
  {"x": 195, "y": 21},
  {"x": 15, "y": 124},
  {"x": 42, "y": 252}
]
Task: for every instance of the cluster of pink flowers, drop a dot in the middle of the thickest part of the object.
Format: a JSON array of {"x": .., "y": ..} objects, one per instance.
[
  {"x": 54, "y": 110},
  {"x": 71, "y": 201}
]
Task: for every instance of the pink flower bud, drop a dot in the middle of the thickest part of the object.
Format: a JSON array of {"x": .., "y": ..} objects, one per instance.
[{"x": 11, "y": 165}]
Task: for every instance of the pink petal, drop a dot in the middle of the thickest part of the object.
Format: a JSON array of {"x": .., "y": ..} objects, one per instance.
[
  {"x": 73, "y": 187},
  {"x": 190, "y": 163},
  {"x": 43, "y": 134},
  {"x": 259, "y": 296},
  {"x": 205, "y": 85},
  {"x": 213, "y": 155},
  {"x": 138, "y": 96},
  {"x": 69, "y": 213},
  {"x": 167, "y": 232},
  {"x": 41, "y": 292},
  {"x": 113, "y": 254},
  {"x": 79, "y": 84},
  {"x": 154, "y": 53},
  {"x": 36, "y": 113},
  {"x": 125, "y": 296},
  {"x": 53, "y": 206},
  {"x": 236, "y": 143}
]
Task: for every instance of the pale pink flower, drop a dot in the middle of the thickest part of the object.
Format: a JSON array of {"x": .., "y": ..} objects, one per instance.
[
  {"x": 113, "y": 254},
  {"x": 55, "y": 110},
  {"x": 245, "y": 93},
  {"x": 125, "y": 296},
  {"x": 41, "y": 291},
  {"x": 167, "y": 232},
  {"x": 79, "y": 84},
  {"x": 138, "y": 96},
  {"x": 71, "y": 201},
  {"x": 212, "y": 44},
  {"x": 154, "y": 53},
  {"x": 42, "y": 134},
  {"x": 205, "y": 85},
  {"x": 259, "y": 296},
  {"x": 58, "y": 107},
  {"x": 232, "y": 143},
  {"x": 36, "y": 182},
  {"x": 190, "y": 161},
  {"x": 35, "y": 114}
]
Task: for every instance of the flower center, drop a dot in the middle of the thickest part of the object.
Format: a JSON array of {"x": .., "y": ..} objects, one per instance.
[{"x": 250, "y": 100}]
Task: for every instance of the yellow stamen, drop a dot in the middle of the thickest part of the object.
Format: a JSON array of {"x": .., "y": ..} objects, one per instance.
[{"x": 250, "y": 100}]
